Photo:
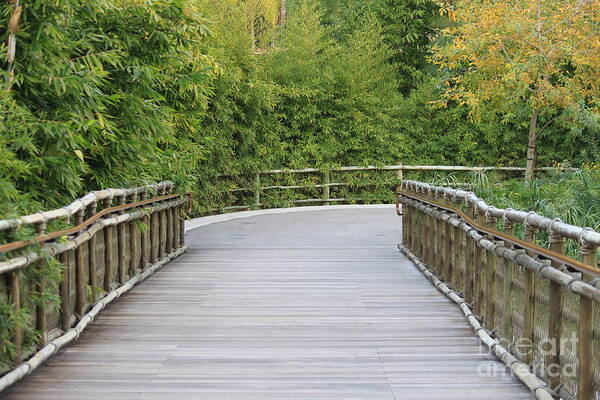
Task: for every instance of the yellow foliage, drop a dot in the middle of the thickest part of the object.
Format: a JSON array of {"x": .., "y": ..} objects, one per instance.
[
  {"x": 544, "y": 51},
  {"x": 267, "y": 10}
]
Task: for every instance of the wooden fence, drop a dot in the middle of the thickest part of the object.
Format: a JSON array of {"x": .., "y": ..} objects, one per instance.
[
  {"x": 529, "y": 302},
  {"x": 106, "y": 242},
  {"x": 255, "y": 187}
]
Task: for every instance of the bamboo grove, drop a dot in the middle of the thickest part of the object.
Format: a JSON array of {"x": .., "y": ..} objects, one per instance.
[{"x": 119, "y": 93}]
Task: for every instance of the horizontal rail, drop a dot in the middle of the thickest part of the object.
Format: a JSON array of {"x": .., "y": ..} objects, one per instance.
[
  {"x": 50, "y": 236},
  {"x": 250, "y": 206},
  {"x": 540, "y": 251},
  {"x": 530, "y": 218},
  {"x": 316, "y": 186},
  {"x": 401, "y": 167},
  {"x": 76, "y": 206}
]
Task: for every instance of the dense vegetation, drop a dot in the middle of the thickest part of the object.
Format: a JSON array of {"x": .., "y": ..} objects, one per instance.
[
  {"x": 118, "y": 93},
  {"x": 124, "y": 92}
]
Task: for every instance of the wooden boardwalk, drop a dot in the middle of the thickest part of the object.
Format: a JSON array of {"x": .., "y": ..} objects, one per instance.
[{"x": 309, "y": 305}]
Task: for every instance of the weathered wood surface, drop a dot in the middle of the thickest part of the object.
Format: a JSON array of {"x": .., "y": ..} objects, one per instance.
[{"x": 305, "y": 305}]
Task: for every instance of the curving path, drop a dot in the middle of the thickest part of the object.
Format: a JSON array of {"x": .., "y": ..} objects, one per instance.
[{"x": 310, "y": 305}]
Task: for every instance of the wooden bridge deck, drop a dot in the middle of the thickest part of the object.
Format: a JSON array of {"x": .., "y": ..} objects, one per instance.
[{"x": 308, "y": 305}]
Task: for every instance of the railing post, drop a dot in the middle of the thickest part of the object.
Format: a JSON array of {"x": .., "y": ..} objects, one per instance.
[
  {"x": 470, "y": 261},
  {"x": 181, "y": 221},
  {"x": 144, "y": 234},
  {"x": 40, "y": 309},
  {"x": 507, "y": 317},
  {"x": 79, "y": 274},
  {"x": 257, "y": 189},
  {"x": 132, "y": 241},
  {"x": 490, "y": 266},
  {"x": 493, "y": 263},
  {"x": 15, "y": 292},
  {"x": 326, "y": 188},
  {"x": 478, "y": 271},
  {"x": 162, "y": 231},
  {"x": 153, "y": 233},
  {"x": 529, "y": 299},
  {"x": 426, "y": 248},
  {"x": 458, "y": 254},
  {"x": 405, "y": 218},
  {"x": 439, "y": 242},
  {"x": 65, "y": 306},
  {"x": 422, "y": 234},
  {"x": 585, "y": 390},
  {"x": 557, "y": 244},
  {"x": 108, "y": 250},
  {"x": 400, "y": 178},
  {"x": 121, "y": 246},
  {"x": 448, "y": 253},
  {"x": 92, "y": 271}
]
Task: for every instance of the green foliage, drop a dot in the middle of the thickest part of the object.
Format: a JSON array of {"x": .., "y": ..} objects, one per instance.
[
  {"x": 119, "y": 93},
  {"x": 336, "y": 102},
  {"x": 407, "y": 27},
  {"x": 106, "y": 93}
]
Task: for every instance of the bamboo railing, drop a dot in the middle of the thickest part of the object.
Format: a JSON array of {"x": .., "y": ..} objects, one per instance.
[
  {"x": 104, "y": 253},
  {"x": 257, "y": 188},
  {"x": 535, "y": 307}
]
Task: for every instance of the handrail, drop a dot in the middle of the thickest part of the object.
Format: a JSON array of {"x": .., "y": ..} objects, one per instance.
[
  {"x": 76, "y": 206},
  {"x": 403, "y": 167},
  {"x": 546, "y": 253},
  {"x": 47, "y": 237},
  {"x": 549, "y": 225}
]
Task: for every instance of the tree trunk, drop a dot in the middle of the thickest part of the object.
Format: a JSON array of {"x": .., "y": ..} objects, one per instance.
[
  {"x": 530, "y": 167},
  {"x": 282, "y": 13}
]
